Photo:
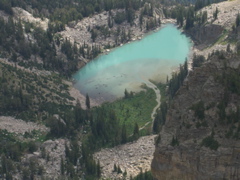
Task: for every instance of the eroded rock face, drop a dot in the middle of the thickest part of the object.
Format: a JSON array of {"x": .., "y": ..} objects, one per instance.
[
  {"x": 190, "y": 160},
  {"x": 205, "y": 35}
]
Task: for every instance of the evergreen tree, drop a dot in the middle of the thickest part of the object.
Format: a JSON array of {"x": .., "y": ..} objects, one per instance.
[
  {"x": 228, "y": 48},
  {"x": 62, "y": 166},
  {"x": 94, "y": 34},
  {"x": 98, "y": 169},
  {"x": 174, "y": 141},
  {"x": 215, "y": 14},
  {"x": 204, "y": 17},
  {"x": 198, "y": 60},
  {"x": 87, "y": 101},
  {"x": 141, "y": 18},
  {"x": 156, "y": 124},
  {"x": 126, "y": 94},
  {"x": 115, "y": 168},
  {"x": 119, "y": 170},
  {"x": 238, "y": 20},
  {"x": 190, "y": 18},
  {"x": 136, "y": 130}
]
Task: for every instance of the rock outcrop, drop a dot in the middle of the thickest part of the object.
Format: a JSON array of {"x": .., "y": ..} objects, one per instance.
[
  {"x": 206, "y": 35},
  {"x": 131, "y": 157},
  {"x": 200, "y": 139}
]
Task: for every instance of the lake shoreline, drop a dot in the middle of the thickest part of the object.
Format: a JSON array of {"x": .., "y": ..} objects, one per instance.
[
  {"x": 151, "y": 57},
  {"x": 97, "y": 102}
]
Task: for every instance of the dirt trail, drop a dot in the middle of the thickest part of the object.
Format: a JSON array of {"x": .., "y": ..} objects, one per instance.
[
  {"x": 131, "y": 157},
  {"x": 158, "y": 99}
]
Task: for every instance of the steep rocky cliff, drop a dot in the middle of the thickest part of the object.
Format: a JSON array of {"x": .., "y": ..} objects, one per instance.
[
  {"x": 204, "y": 36},
  {"x": 200, "y": 139}
]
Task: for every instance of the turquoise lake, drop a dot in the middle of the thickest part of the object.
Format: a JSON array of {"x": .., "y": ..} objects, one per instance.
[{"x": 154, "y": 57}]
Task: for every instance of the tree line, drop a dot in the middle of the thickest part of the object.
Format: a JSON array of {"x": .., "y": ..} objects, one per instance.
[{"x": 65, "y": 11}]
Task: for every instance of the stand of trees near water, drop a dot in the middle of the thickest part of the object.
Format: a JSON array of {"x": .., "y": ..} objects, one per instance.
[
  {"x": 169, "y": 90},
  {"x": 25, "y": 43},
  {"x": 62, "y": 57}
]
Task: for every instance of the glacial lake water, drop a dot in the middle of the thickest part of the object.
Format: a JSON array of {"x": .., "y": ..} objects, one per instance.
[{"x": 154, "y": 57}]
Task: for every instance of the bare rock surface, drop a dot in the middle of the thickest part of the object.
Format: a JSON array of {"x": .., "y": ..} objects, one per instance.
[
  {"x": 190, "y": 159},
  {"x": 28, "y": 17},
  {"x": 55, "y": 149},
  {"x": 19, "y": 13},
  {"x": 80, "y": 31},
  {"x": 19, "y": 126},
  {"x": 214, "y": 31},
  {"x": 132, "y": 157},
  {"x": 228, "y": 11},
  {"x": 49, "y": 157}
]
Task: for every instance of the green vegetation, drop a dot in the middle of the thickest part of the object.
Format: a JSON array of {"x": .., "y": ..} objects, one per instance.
[
  {"x": 199, "y": 110},
  {"x": 45, "y": 98},
  {"x": 238, "y": 20},
  {"x": 174, "y": 141},
  {"x": 117, "y": 169},
  {"x": 198, "y": 60},
  {"x": 210, "y": 142},
  {"x": 160, "y": 117},
  {"x": 42, "y": 45},
  {"x": 80, "y": 158},
  {"x": 25, "y": 94},
  {"x": 184, "y": 12},
  {"x": 177, "y": 79},
  {"x": 134, "y": 109},
  {"x": 119, "y": 122},
  {"x": 65, "y": 11},
  {"x": 231, "y": 80},
  {"x": 215, "y": 13},
  {"x": 11, "y": 150},
  {"x": 108, "y": 125}
]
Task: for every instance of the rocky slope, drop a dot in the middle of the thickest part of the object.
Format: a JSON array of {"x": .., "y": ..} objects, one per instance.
[
  {"x": 80, "y": 32},
  {"x": 131, "y": 157},
  {"x": 215, "y": 30},
  {"x": 200, "y": 139}
]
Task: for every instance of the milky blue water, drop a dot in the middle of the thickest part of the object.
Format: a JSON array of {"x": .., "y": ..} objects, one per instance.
[{"x": 154, "y": 57}]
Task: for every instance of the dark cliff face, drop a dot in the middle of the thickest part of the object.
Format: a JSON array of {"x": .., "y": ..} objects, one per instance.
[
  {"x": 201, "y": 137},
  {"x": 203, "y": 36}
]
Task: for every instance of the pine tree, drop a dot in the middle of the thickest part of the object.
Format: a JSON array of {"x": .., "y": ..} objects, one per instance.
[
  {"x": 126, "y": 94},
  {"x": 87, "y": 102},
  {"x": 62, "y": 166},
  {"x": 98, "y": 169},
  {"x": 136, "y": 130},
  {"x": 238, "y": 20},
  {"x": 156, "y": 125},
  {"x": 215, "y": 14},
  {"x": 119, "y": 170},
  {"x": 115, "y": 168}
]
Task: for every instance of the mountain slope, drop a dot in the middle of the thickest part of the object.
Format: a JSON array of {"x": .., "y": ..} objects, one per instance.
[{"x": 200, "y": 139}]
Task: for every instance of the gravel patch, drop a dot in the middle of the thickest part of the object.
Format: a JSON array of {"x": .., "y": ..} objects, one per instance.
[{"x": 132, "y": 157}]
